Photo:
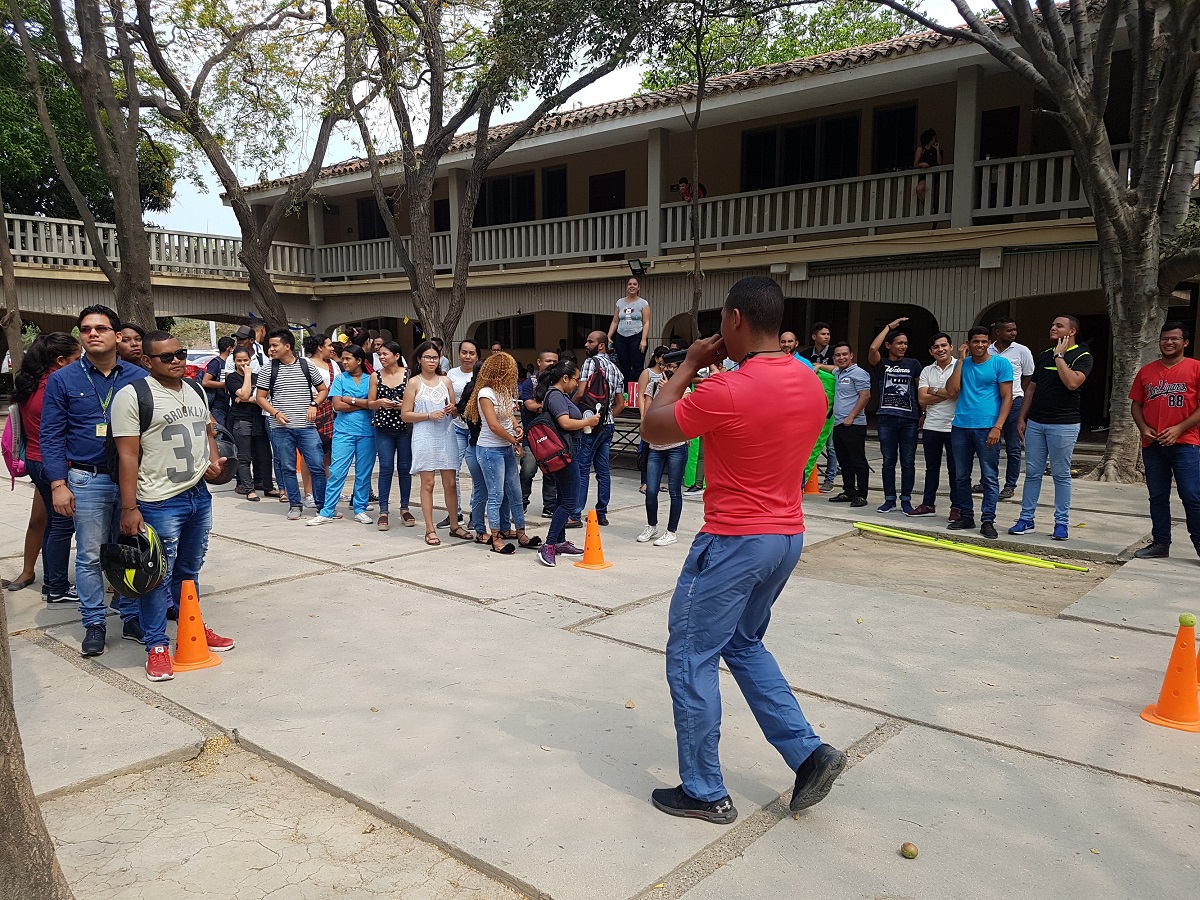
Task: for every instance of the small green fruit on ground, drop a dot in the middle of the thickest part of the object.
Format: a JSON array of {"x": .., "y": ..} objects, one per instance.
[{"x": 908, "y": 850}]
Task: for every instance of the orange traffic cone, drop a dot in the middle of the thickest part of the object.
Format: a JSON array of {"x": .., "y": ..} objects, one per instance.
[
  {"x": 813, "y": 486},
  {"x": 593, "y": 549},
  {"x": 1178, "y": 705},
  {"x": 191, "y": 644}
]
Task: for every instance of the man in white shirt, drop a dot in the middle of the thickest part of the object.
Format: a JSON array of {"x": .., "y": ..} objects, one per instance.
[
  {"x": 460, "y": 376},
  {"x": 938, "y": 409},
  {"x": 1004, "y": 343}
]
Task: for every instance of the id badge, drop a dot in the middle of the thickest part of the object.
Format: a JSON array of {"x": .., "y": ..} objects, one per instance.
[{"x": 102, "y": 429}]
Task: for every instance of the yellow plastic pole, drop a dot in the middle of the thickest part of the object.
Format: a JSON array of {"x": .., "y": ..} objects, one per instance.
[{"x": 971, "y": 549}]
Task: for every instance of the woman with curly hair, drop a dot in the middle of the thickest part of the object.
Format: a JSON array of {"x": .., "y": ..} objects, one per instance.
[{"x": 499, "y": 446}]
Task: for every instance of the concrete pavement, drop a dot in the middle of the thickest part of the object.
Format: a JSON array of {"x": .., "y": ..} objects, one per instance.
[{"x": 517, "y": 717}]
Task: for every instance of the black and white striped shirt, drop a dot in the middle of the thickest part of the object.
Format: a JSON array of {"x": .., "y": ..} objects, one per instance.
[{"x": 295, "y": 386}]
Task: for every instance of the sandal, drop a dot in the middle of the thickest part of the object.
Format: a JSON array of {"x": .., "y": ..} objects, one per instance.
[
  {"x": 253, "y": 497},
  {"x": 271, "y": 493},
  {"x": 282, "y": 497},
  {"x": 459, "y": 532},
  {"x": 482, "y": 539},
  {"x": 382, "y": 524},
  {"x": 432, "y": 539},
  {"x": 498, "y": 545},
  {"x": 509, "y": 535},
  {"x": 529, "y": 543},
  {"x": 407, "y": 519}
]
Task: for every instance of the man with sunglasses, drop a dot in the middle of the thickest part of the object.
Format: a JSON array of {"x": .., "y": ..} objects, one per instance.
[
  {"x": 75, "y": 417},
  {"x": 162, "y": 484}
]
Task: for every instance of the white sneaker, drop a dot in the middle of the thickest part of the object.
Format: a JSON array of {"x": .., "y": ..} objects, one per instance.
[
  {"x": 649, "y": 534},
  {"x": 370, "y": 507},
  {"x": 362, "y": 518},
  {"x": 319, "y": 520},
  {"x": 667, "y": 539},
  {"x": 310, "y": 500}
]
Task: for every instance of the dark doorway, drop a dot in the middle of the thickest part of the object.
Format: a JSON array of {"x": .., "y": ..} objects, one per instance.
[
  {"x": 894, "y": 138},
  {"x": 606, "y": 192},
  {"x": 999, "y": 130},
  {"x": 1096, "y": 332}
]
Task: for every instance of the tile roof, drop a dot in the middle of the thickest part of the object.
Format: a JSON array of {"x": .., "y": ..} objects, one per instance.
[{"x": 763, "y": 76}]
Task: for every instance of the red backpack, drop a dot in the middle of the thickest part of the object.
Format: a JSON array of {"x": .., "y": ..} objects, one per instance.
[{"x": 549, "y": 447}]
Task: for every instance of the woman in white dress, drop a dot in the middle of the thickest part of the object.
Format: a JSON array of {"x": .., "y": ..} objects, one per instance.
[{"x": 429, "y": 408}]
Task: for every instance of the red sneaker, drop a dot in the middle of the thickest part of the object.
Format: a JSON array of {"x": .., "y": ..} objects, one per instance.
[
  {"x": 217, "y": 643},
  {"x": 158, "y": 664}
]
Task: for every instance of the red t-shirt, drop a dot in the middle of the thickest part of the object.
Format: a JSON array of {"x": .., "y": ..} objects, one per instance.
[
  {"x": 31, "y": 421},
  {"x": 1168, "y": 395},
  {"x": 759, "y": 425}
]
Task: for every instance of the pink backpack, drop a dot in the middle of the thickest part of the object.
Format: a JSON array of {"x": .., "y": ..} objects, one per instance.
[{"x": 12, "y": 447}]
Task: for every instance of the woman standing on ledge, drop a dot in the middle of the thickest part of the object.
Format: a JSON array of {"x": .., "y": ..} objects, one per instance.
[{"x": 629, "y": 330}]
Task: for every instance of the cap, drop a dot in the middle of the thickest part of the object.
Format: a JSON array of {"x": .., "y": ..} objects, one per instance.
[{"x": 244, "y": 332}]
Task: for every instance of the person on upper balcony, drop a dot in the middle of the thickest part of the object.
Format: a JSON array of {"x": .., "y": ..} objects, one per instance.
[{"x": 928, "y": 155}]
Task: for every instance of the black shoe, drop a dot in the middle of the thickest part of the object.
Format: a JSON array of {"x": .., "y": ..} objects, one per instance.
[
  {"x": 815, "y": 777},
  {"x": 988, "y": 530},
  {"x": 677, "y": 802},
  {"x": 173, "y": 613},
  {"x": 977, "y": 489},
  {"x": 70, "y": 595},
  {"x": 1007, "y": 492},
  {"x": 547, "y": 513},
  {"x": 858, "y": 501},
  {"x": 132, "y": 631},
  {"x": 93, "y": 641},
  {"x": 962, "y": 525},
  {"x": 1154, "y": 551},
  {"x": 602, "y": 519},
  {"x": 841, "y": 498}
]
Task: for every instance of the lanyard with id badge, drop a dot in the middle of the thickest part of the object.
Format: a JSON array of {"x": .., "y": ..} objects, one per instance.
[{"x": 102, "y": 425}]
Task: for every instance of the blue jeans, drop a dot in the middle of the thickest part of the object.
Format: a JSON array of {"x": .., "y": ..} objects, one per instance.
[
  {"x": 502, "y": 475},
  {"x": 183, "y": 523},
  {"x": 1056, "y": 443},
  {"x": 97, "y": 521},
  {"x": 720, "y": 610},
  {"x": 936, "y": 443},
  {"x": 462, "y": 438},
  {"x": 593, "y": 451},
  {"x": 898, "y": 439},
  {"x": 831, "y": 462},
  {"x": 347, "y": 448},
  {"x": 394, "y": 449},
  {"x": 566, "y": 480},
  {"x": 1181, "y": 461},
  {"x": 674, "y": 461},
  {"x": 56, "y": 540},
  {"x": 1012, "y": 444},
  {"x": 284, "y": 443},
  {"x": 479, "y": 495},
  {"x": 966, "y": 444}
]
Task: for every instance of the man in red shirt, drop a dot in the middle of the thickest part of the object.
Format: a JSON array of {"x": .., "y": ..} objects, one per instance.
[
  {"x": 752, "y": 419},
  {"x": 1166, "y": 409}
]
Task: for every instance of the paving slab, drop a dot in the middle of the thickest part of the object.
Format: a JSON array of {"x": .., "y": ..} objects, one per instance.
[
  {"x": 26, "y": 609},
  {"x": 553, "y": 612},
  {"x": 237, "y": 564},
  {"x": 499, "y": 736},
  {"x": 1144, "y": 593},
  {"x": 988, "y": 823},
  {"x": 77, "y": 729},
  {"x": 1066, "y": 689}
]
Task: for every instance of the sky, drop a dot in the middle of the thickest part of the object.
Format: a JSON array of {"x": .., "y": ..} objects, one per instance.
[{"x": 202, "y": 210}]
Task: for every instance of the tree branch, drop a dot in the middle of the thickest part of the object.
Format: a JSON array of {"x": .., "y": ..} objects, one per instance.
[{"x": 1178, "y": 267}]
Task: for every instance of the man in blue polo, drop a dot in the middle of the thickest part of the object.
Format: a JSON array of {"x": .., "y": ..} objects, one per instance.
[{"x": 75, "y": 417}]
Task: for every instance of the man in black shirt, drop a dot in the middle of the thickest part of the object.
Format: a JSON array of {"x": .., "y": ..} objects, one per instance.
[
  {"x": 1049, "y": 423},
  {"x": 820, "y": 353},
  {"x": 897, "y": 376}
]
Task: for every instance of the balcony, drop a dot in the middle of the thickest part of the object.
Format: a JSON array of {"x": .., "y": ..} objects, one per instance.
[{"x": 1029, "y": 187}]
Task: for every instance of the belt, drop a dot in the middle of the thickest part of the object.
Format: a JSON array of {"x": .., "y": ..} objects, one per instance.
[{"x": 84, "y": 467}]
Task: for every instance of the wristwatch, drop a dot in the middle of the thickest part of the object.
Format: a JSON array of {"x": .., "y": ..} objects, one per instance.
[{"x": 1060, "y": 356}]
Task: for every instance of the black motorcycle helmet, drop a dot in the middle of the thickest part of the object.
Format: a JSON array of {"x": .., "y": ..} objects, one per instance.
[
  {"x": 135, "y": 565},
  {"x": 227, "y": 450}
]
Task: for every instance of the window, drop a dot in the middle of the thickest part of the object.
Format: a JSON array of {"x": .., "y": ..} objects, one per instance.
[
  {"x": 801, "y": 152},
  {"x": 894, "y": 138},
  {"x": 370, "y": 222},
  {"x": 441, "y": 215},
  {"x": 580, "y": 325},
  {"x": 554, "y": 193},
  {"x": 504, "y": 199},
  {"x": 515, "y": 333}
]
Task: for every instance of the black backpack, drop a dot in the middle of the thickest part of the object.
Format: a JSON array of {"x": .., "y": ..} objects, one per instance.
[
  {"x": 145, "y": 402},
  {"x": 304, "y": 367},
  {"x": 550, "y": 448}
]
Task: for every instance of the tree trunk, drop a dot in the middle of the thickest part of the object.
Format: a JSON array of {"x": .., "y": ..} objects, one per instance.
[
  {"x": 425, "y": 296},
  {"x": 263, "y": 295},
  {"x": 11, "y": 321},
  {"x": 28, "y": 867},
  {"x": 133, "y": 292},
  {"x": 1137, "y": 312}
]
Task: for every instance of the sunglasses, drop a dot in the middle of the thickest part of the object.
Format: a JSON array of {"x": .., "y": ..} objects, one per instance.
[
  {"x": 99, "y": 329},
  {"x": 167, "y": 358}
]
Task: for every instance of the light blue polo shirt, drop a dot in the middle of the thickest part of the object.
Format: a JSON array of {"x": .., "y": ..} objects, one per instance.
[{"x": 979, "y": 399}]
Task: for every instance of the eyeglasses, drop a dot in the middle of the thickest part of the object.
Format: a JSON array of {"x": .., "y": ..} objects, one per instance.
[
  {"x": 166, "y": 358},
  {"x": 99, "y": 329},
  {"x": 430, "y": 358}
]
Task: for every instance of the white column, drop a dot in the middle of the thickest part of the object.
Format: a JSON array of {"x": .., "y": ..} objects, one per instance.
[
  {"x": 966, "y": 145},
  {"x": 458, "y": 187},
  {"x": 657, "y": 141},
  {"x": 316, "y": 222}
]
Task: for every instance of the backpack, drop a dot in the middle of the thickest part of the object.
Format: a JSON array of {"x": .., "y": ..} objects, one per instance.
[
  {"x": 304, "y": 367},
  {"x": 596, "y": 395},
  {"x": 551, "y": 450},
  {"x": 12, "y": 445},
  {"x": 145, "y": 401}
]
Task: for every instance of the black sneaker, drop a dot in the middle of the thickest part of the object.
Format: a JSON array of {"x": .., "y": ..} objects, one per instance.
[
  {"x": 445, "y": 523},
  {"x": 815, "y": 777},
  {"x": 93, "y": 641},
  {"x": 547, "y": 514},
  {"x": 602, "y": 519},
  {"x": 988, "y": 530},
  {"x": 841, "y": 498},
  {"x": 173, "y": 613},
  {"x": 962, "y": 525},
  {"x": 132, "y": 631},
  {"x": 858, "y": 501},
  {"x": 1006, "y": 493},
  {"x": 677, "y": 802},
  {"x": 70, "y": 595},
  {"x": 1154, "y": 551}
]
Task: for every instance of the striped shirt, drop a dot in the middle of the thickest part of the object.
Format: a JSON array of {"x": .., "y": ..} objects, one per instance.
[
  {"x": 293, "y": 392},
  {"x": 616, "y": 381}
]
